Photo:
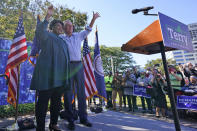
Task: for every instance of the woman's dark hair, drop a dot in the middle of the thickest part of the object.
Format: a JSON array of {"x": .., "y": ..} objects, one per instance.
[{"x": 54, "y": 22}]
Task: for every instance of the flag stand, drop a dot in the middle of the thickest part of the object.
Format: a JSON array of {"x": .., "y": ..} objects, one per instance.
[
  {"x": 36, "y": 99},
  {"x": 17, "y": 98}
]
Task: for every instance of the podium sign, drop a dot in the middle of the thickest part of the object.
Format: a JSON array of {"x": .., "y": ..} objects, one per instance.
[{"x": 175, "y": 34}]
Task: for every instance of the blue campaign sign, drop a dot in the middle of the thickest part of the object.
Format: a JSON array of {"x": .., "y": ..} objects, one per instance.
[
  {"x": 26, "y": 70},
  {"x": 187, "y": 102},
  {"x": 140, "y": 91},
  {"x": 175, "y": 34}
]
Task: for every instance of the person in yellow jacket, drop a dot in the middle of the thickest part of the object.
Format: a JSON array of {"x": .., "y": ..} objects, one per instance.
[{"x": 108, "y": 83}]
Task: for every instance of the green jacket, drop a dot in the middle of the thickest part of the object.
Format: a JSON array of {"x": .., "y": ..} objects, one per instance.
[
  {"x": 108, "y": 83},
  {"x": 174, "y": 82},
  {"x": 53, "y": 63}
]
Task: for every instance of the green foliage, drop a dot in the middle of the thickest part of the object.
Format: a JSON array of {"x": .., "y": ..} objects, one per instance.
[
  {"x": 158, "y": 61},
  {"x": 121, "y": 60},
  {"x": 23, "y": 109},
  {"x": 9, "y": 15}
]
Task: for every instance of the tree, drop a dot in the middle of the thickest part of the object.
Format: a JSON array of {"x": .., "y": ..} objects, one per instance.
[
  {"x": 121, "y": 60},
  {"x": 9, "y": 14},
  {"x": 158, "y": 62}
]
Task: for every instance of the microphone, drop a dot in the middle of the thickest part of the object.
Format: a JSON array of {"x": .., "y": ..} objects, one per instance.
[{"x": 135, "y": 11}]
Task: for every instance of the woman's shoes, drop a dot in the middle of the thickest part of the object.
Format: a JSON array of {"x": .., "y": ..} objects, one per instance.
[
  {"x": 53, "y": 128},
  {"x": 157, "y": 116}
]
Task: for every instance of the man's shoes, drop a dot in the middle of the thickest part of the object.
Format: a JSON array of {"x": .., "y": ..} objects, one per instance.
[
  {"x": 113, "y": 108},
  {"x": 53, "y": 128},
  {"x": 150, "y": 112},
  {"x": 135, "y": 108},
  {"x": 86, "y": 123},
  {"x": 144, "y": 111},
  {"x": 130, "y": 109},
  {"x": 71, "y": 126},
  {"x": 157, "y": 116}
]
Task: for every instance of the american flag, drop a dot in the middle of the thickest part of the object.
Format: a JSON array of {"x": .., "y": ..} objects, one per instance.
[
  {"x": 90, "y": 82},
  {"x": 18, "y": 54}
]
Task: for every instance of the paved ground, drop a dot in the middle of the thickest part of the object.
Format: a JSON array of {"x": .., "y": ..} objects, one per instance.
[{"x": 116, "y": 121}]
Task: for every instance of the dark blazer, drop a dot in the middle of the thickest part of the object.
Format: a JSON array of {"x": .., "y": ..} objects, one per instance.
[{"x": 53, "y": 64}]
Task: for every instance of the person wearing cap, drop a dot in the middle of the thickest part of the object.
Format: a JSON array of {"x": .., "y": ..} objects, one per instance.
[
  {"x": 158, "y": 83},
  {"x": 136, "y": 73},
  {"x": 190, "y": 70},
  {"x": 116, "y": 85},
  {"x": 141, "y": 81},
  {"x": 175, "y": 80},
  {"x": 108, "y": 84},
  {"x": 128, "y": 83},
  {"x": 148, "y": 77},
  {"x": 73, "y": 41},
  {"x": 51, "y": 73},
  {"x": 193, "y": 81}
]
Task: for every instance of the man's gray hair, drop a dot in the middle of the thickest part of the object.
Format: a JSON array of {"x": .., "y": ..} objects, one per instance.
[{"x": 67, "y": 21}]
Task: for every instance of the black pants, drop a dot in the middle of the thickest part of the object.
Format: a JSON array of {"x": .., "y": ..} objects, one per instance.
[
  {"x": 148, "y": 101},
  {"x": 124, "y": 100},
  {"x": 128, "y": 100},
  {"x": 109, "y": 98},
  {"x": 134, "y": 102},
  {"x": 109, "y": 95},
  {"x": 42, "y": 105}
]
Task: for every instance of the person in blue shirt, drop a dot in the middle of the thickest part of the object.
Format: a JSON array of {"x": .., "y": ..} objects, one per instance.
[
  {"x": 135, "y": 73},
  {"x": 130, "y": 80},
  {"x": 141, "y": 81},
  {"x": 73, "y": 41}
]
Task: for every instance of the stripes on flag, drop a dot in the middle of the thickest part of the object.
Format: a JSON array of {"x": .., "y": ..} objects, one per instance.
[
  {"x": 13, "y": 85},
  {"x": 90, "y": 82},
  {"x": 18, "y": 54}
]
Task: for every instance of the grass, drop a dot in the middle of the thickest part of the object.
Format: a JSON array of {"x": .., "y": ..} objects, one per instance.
[{"x": 139, "y": 104}]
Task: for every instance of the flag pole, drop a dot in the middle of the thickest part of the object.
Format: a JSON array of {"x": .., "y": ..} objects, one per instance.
[
  {"x": 36, "y": 98},
  {"x": 17, "y": 98},
  {"x": 112, "y": 66}
]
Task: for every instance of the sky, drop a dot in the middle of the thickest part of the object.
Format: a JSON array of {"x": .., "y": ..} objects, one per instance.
[{"x": 117, "y": 25}]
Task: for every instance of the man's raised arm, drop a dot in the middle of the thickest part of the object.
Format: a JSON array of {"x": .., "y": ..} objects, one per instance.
[{"x": 88, "y": 29}]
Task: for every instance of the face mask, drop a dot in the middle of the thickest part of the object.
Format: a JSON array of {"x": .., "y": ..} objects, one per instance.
[{"x": 187, "y": 69}]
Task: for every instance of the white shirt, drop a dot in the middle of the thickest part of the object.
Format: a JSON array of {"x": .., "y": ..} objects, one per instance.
[{"x": 74, "y": 43}]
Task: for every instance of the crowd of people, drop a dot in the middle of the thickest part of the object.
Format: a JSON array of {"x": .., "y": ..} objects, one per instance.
[{"x": 154, "y": 80}]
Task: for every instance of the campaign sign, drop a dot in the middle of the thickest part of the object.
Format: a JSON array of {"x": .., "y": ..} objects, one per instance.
[
  {"x": 140, "y": 91},
  {"x": 128, "y": 91},
  {"x": 187, "y": 102},
  {"x": 175, "y": 34},
  {"x": 26, "y": 71}
]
